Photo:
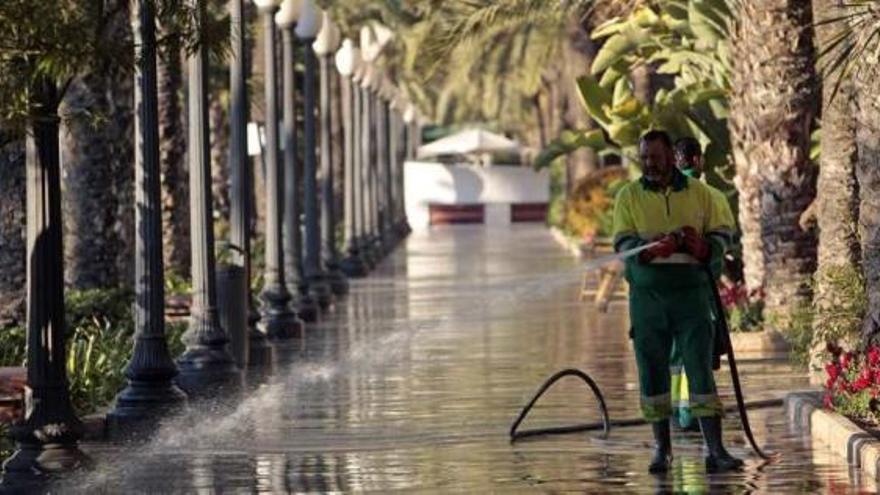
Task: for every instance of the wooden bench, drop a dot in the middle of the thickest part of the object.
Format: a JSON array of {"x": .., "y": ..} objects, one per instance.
[{"x": 12, "y": 384}]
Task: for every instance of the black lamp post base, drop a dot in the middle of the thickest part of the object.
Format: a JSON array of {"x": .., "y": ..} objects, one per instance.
[
  {"x": 281, "y": 325},
  {"x": 320, "y": 291},
  {"x": 141, "y": 405},
  {"x": 307, "y": 306},
  {"x": 337, "y": 280},
  {"x": 354, "y": 266},
  {"x": 33, "y": 465},
  {"x": 203, "y": 370}
]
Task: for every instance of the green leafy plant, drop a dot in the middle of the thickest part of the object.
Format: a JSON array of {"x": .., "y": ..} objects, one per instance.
[
  {"x": 685, "y": 40},
  {"x": 99, "y": 344}
]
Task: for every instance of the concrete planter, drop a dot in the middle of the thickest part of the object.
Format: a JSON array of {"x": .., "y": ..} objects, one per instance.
[
  {"x": 766, "y": 343},
  {"x": 834, "y": 432}
]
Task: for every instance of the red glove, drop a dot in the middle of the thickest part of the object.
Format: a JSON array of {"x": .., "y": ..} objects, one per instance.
[
  {"x": 695, "y": 244},
  {"x": 664, "y": 248}
]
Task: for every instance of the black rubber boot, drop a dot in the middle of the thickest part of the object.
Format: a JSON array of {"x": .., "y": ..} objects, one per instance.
[
  {"x": 662, "y": 447},
  {"x": 719, "y": 459}
]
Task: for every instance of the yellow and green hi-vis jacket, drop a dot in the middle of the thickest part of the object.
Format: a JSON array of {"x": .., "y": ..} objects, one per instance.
[{"x": 644, "y": 212}]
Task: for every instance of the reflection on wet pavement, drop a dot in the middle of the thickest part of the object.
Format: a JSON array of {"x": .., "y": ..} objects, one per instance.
[{"x": 412, "y": 383}]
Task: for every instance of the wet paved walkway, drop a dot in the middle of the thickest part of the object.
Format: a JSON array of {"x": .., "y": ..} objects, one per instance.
[{"x": 411, "y": 385}]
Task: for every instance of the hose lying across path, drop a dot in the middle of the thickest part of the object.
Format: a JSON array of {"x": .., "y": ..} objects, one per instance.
[{"x": 606, "y": 423}]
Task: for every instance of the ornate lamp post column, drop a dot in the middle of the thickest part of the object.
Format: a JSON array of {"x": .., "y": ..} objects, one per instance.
[
  {"x": 361, "y": 160},
  {"x": 307, "y": 28},
  {"x": 305, "y": 305},
  {"x": 402, "y": 224},
  {"x": 325, "y": 45},
  {"x": 278, "y": 320},
  {"x": 240, "y": 177},
  {"x": 346, "y": 58},
  {"x": 409, "y": 118},
  {"x": 368, "y": 146},
  {"x": 46, "y": 440},
  {"x": 388, "y": 164},
  {"x": 206, "y": 361},
  {"x": 411, "y": 129},
  {"x": 150, "y": 390},
  {"x": 380, "y": 162},
  {"x": 394, "y": 124}
]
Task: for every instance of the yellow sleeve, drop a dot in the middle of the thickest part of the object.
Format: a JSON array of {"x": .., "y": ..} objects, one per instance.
[{"x": 625, "y": 233}]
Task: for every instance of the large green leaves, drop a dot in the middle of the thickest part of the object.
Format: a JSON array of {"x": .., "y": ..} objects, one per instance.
[{"x": 568, "y": 142}]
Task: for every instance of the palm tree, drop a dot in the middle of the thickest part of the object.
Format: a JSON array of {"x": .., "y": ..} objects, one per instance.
[
  {"x": 772, "y": 108},
  {"x": 837, "y": 192},
  {"x": 97, "y": 151},
  {"x": 172, "y": 156},
  {"x": 866, "y": 87}
]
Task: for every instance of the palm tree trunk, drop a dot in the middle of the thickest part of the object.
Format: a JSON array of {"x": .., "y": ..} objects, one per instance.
[
  {"x": 172, "y": 158},
  {"x": 219, "y": 161},
  {"x": 578, "y": 56},
  {"x": 12, "y": 234},
  {"x": 97, "y": 151},
  {"x": 837, "y": 190},
  {"x": 772, "y": 110},
  {"x": 867, "y": 85}
]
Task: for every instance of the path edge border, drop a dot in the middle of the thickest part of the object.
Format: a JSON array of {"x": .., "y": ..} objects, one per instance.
[{"x": 843, "y": 437}]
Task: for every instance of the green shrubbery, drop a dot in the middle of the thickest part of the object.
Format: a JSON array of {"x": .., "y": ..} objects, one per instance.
[{"x": 99, "y": 343}]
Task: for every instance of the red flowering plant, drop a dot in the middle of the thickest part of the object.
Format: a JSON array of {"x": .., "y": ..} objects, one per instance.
[
  {"x": 852, "y": 387},
  {"x": 745, "y": 308}
]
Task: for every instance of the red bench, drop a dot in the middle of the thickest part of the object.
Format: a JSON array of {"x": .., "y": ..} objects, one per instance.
[{"x": 12, "y": 383}]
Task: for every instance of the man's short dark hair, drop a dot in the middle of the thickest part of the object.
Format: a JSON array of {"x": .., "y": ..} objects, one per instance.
[
  {"x": 688, "y": 147},
  {"x": 657, "y": 135}
]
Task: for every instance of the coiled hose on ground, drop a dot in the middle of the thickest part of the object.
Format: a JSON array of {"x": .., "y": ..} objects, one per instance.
[{"x": 605, "y": 425}]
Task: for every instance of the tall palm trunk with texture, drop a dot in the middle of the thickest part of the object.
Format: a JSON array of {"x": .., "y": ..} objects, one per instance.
[
  {"x": 97, "y": 153},
  {"x": 773, "y": 104},
  {"x": 836, "y": 205},
  {"x": 867, "y": 89},
  {"x": 172, "y": 160}
]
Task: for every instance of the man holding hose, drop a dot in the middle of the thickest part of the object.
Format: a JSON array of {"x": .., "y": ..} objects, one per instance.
[{"x": 670, "y": 292}]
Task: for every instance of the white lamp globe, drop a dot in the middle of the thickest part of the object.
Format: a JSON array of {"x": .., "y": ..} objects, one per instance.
[
  {"x": 370, "y": 47},
  {"x": 309, "y": 23},
  {"x": 267, "y": 4},
  {"x": 328, "y": 38},
  {"x": 409, "y": 115},
  {"x": 345, "y": 58},
  {"x": 288, "y": 14}
]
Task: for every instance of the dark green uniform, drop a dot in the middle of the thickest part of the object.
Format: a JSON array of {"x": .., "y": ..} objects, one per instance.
[
  {"x": 669, "y": 297},
  {"x": 680, "y": 393}
]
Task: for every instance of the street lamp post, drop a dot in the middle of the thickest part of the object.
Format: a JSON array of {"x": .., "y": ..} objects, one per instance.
[
  {"x": 240, "y": 179},
  {"x": 381, "y": 160},
  {"x": 46, "y": 440},
  {"x": 306, "y": 30},
  {"x": 325, "y": 45},
  {"x": 346, "y": 59},
  {"x": 305, "y": 304},
  {"x": 388, "y": 176},
  {"x": 366, "y": 159},
  {"x": 278, "y": 320},
  {"x": 151, "y": 390},
  {"x": 361, "y": 160},
  {"x": 206, "y": 362}
]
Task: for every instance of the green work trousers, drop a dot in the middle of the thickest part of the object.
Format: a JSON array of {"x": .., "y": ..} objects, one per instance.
[{"x": 680, "y": 318}]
